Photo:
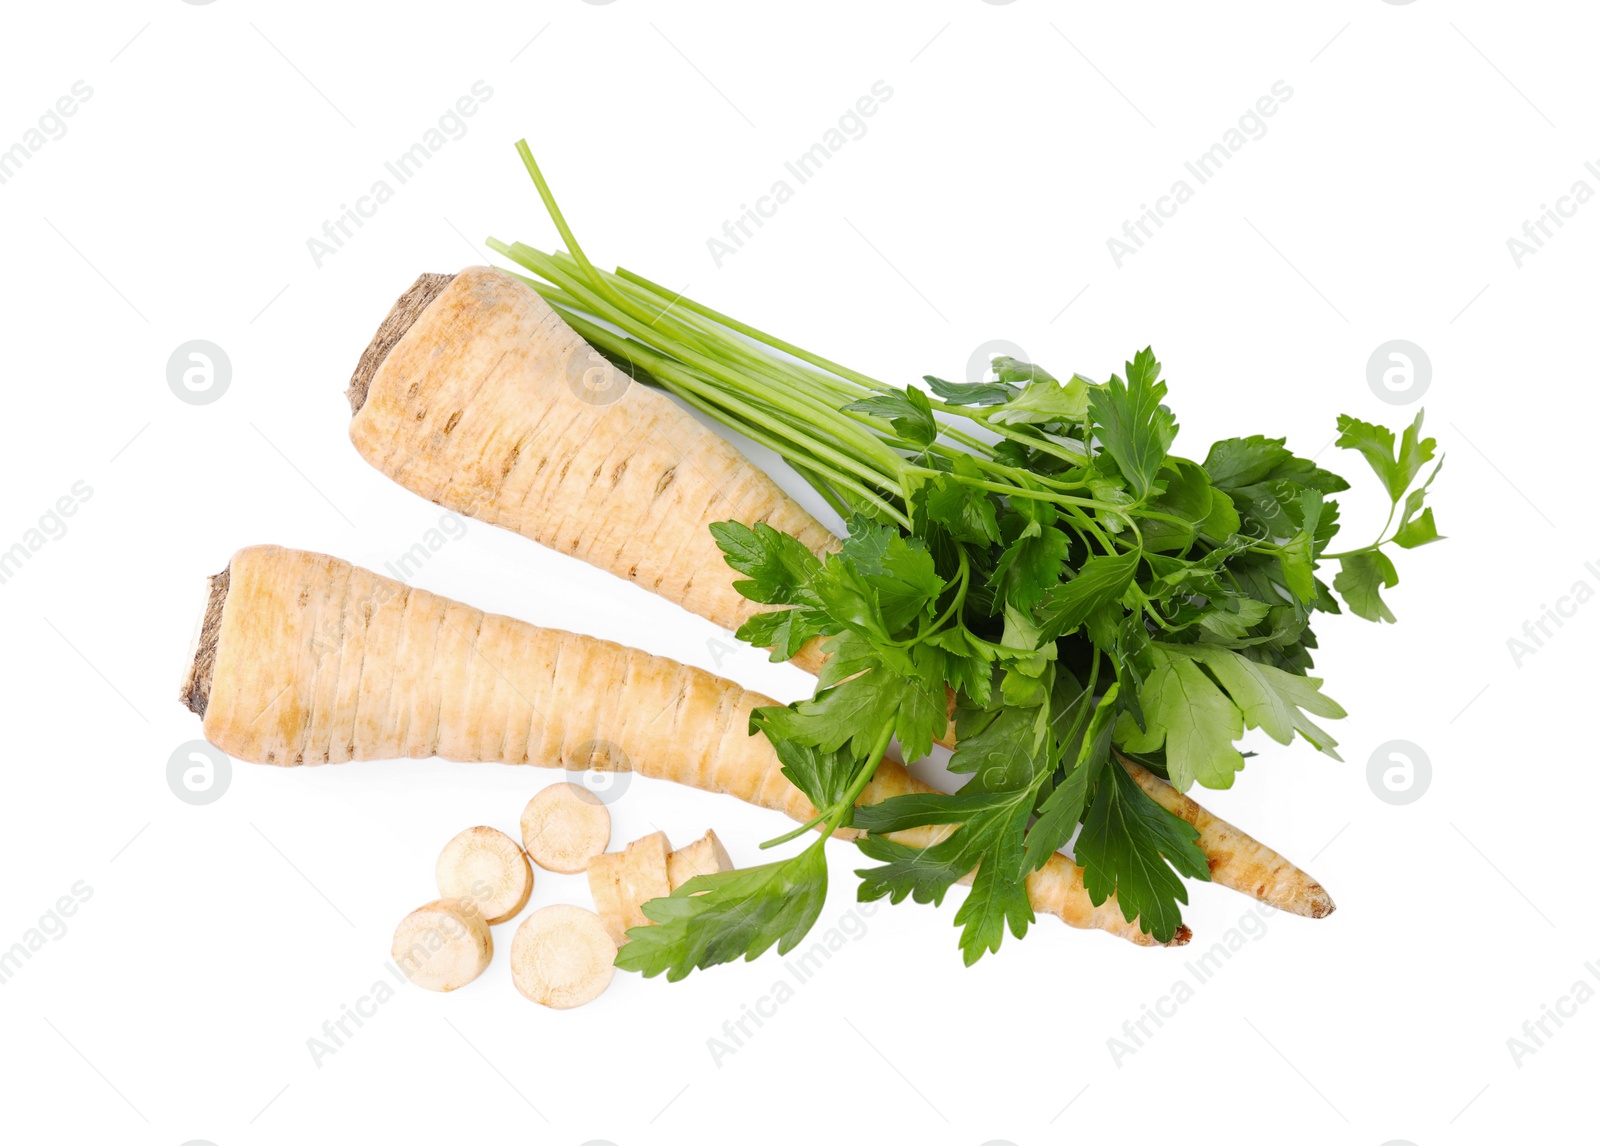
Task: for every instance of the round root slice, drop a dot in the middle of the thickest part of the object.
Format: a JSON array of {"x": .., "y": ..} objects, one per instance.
[
  {"x": 621, "y": 882},
  {"x": 442, "y": 945},
  {"x": 485, "y": 867},
  {"x": 564, "y": 827},
  {"x": 703, "y": 857},
  {"x": 562, "y": 956}
]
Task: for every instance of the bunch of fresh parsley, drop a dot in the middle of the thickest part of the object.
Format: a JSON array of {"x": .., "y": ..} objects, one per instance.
[
  {"x": 1115, "y": 599},
  {"x": 1031, "y": 546}
]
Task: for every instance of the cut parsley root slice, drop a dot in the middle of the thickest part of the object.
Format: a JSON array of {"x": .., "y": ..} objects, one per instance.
[
  {"x": 562, "y": 956},
  {"x": 622, "y": 882},
  {"x": 703, "y": 857},
  {"x": 442, "y": 945},
  {"x": 564, "y": 827},
  {"x": 485, "y": 867}
]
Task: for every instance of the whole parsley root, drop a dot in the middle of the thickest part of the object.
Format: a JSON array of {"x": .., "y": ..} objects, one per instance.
[{"x": 306, "y": 659}]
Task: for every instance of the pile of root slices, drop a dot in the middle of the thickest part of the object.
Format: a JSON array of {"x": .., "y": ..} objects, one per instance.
[
  {"x": 562, "y": 955},
  {"x": 1017, "y": 568}
]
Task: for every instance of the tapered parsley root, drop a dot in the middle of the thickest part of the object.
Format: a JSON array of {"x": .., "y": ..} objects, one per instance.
[
  {"x": 443, "y": 945},
  {"x": 487, "y": 868},
  {"x": 310, "y": 660},
  {"x": 562, "y": 956},
  {"x": 564, "y": 827},
  {"x": 1236, "y": 860},
  {"x": 482, "y": 399},
  {"x": 477, "y": 395}
]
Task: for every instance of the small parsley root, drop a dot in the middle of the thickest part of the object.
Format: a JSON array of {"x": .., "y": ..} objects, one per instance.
[
  {"x": 623, "y": 882},
  {"x": 306, "y": 659},
  {"x": 565, "y": 827},
  {"x": 486, "y": 867},
  {"x": 562, "y": 956},
  {"x": 476, "y": 394},
  {"x": 443, "y": 945}
]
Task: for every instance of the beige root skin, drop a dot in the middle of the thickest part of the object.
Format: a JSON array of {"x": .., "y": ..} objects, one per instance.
[
  {"x": 564, "y": 827},
  {"x": 442, "y": 945},
  {"x": 321, "y": 662},
  {"x": 562, "y": 956},
  {"x": 480, "y": 406},
  {"x": 485, "y": 867},
  {"x": 470, "y": 407},
  {"x": 623, "y": 882}
]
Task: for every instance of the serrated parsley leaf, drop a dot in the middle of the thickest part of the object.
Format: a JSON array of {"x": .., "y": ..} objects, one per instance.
[
  {"x": 780, "y": 568},
  {"x": 717, "y": 918},
  {"x": 1133, "y": 424},
  {"x": 1361, "y": 578},
  {"x": 1187, "y": 714},
  {"x": 1126, "y": 846},
  {"x": 1100, "y": 581},
  {"x": 908, "y": 412}
]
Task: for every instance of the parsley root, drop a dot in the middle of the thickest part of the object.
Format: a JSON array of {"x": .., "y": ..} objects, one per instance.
[{"x": 305, "y": 659}]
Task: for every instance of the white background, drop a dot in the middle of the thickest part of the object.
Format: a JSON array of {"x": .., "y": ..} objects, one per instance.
[{"x": 218, "y": 939}]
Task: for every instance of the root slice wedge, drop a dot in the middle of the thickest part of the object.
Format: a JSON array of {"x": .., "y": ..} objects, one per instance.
[
  {"x": 562, "y": 956},
  {"x": 703, "y": 857},
  {"x": 442, "y": 945},
  {"x": 486, "y": 867},
  {"x": 564, "y": 827},
  {"x": 621, "y": 882}
]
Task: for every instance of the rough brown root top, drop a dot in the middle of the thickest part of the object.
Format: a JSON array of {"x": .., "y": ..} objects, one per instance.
[
  {"x": 405, "y": 311},
  {"x": 196, "y": 691}
]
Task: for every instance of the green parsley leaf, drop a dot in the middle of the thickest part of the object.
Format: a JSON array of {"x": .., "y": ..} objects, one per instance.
[
  {"x": 1100, "y": 581},
  {"x": 1361, "y": 577},
  {"x": 1134, "y": 426},
  {"x": 780, "y": 568},
  {"x": 908, "y": 412},
  {"x": 1188, "y": 714},
  {"x": 717, "y": 918},
  {"x": 1128, "y": 841}
]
